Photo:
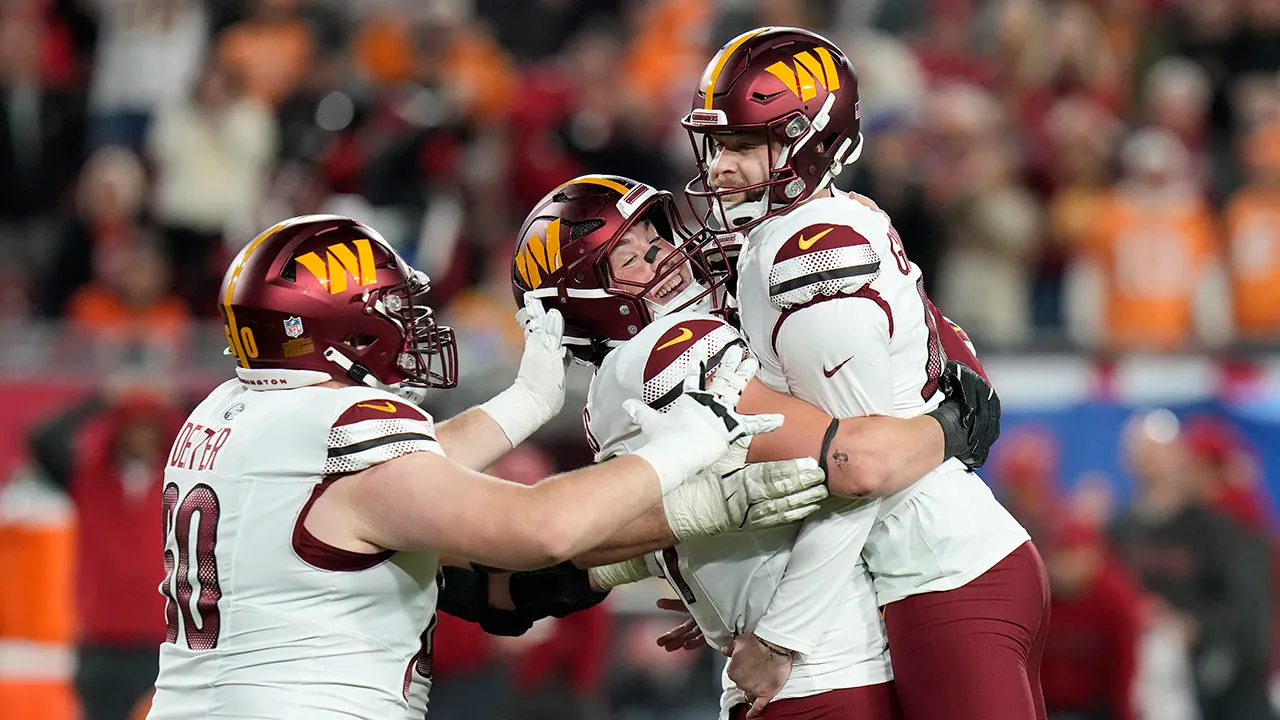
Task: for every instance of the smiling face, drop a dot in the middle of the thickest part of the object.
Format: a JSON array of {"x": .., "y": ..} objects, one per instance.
[
  {"x": 640, "y": 255},
  {"x": 736, "y": 160}
]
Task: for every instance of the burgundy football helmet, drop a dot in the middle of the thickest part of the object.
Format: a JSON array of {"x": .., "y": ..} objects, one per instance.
[
  {"x": 320, "y": 293},
  {"x": 562, "y": 258},
  {"x": 798, "y": 88}
]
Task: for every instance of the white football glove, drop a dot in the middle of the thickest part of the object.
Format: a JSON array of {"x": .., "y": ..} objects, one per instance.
[
  {"x": 699, "y": 426},
  {"x": 538, "y": 392},
  {"x": 760, "y": 495}
]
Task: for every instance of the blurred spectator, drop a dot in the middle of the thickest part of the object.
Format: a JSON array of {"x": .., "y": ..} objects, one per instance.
[
  {"x": 270, "y": 50},
  {"x": 576, "y": 118},
  {"x": 994, "y": 224},
  {"x": 149, "y": 54},
  {"x": 1228, "y": 473},
  {"x": 1213, "y": 581},
  {"x": 1075, "y": 165},
  {"x": 1025, "y": 473},
  {"x": 1150, "y": 276},
  {"x": 1176, "y": 98},
  {"x": 41, "y": 129},
  {"x": 1090, "y": 660},
  {"x": 109, "y": 201},
  {"x": 212, "y": 154},
  {"x": 108, "y": 453},
  {"x": 1253, "y": 236},
  {"x": 128, "y": 315}
]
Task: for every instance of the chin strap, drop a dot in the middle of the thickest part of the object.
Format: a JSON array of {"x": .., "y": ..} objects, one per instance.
[{"x": 354, "y": 370}]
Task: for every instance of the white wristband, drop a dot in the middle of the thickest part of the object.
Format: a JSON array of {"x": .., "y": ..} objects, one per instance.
[
  {"x": 620, "y": 573},
  {"x": 516, "y": 412}
]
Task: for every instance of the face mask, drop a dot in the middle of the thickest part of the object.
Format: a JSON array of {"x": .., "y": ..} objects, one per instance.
[{"x": 682, "y": 299}]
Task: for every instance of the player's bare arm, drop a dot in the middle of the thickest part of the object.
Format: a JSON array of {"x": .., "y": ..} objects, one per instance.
[
  {"x": 878, "y": 455},
  {"x": 425, "y": 500}
]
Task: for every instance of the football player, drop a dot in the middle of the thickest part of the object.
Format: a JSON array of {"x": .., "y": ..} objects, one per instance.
[
  {"x": 837, "y": 315},
  {"x": 307, "y": 508},
  {"x": 633, "y": 288}
]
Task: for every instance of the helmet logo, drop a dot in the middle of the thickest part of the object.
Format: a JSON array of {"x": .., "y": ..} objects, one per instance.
[
  {"x": 538, "y": 259},
  {"x": 339, "y": 263},
  {"x": 293, "y": 326},
  {"x": 800, "y": 78}
]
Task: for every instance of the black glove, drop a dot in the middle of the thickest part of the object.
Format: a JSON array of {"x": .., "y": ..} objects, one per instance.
[
  {"x": 553, "y": 592},
  {"x": 536, "y": 594},
  {"x": 464, "y": 594},
  {"x": 969, "y": 416}
]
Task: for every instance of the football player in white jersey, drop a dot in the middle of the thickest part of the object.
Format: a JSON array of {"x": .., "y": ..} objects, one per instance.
[
  {"x": 837, "y": 315},
  {"x": 307, "y": 508},
  {"x": 610, "y": 253}
]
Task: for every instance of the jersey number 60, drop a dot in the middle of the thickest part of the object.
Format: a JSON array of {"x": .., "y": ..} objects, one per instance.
[{"x": 177, "y": 587}]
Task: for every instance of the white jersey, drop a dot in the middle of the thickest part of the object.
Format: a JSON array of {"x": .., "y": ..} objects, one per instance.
[
  {"x": 728, "y": 581},
  {"x": 265, "y": 620},
  {"x": 838, "y": 317}
]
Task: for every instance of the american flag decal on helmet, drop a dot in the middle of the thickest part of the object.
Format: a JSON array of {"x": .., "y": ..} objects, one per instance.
[{"x": 857, "y": 110}]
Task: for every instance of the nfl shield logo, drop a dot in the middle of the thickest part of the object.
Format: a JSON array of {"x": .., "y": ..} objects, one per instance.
[{"x": 293, "y": 326}]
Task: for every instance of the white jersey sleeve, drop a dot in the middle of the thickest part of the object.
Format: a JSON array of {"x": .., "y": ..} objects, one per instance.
[{"x": 845, "y": 366}]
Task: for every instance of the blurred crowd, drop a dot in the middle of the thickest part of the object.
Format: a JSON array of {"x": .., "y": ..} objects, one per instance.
[
  {"x": 1069, "y": 174},
  {"x": 1087, "y": 173},
  {"x": 1164, "y": 608}
]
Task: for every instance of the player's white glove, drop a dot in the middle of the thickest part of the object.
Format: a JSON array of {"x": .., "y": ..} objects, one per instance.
[
  {"x": 538, "y": 392},
  {"x": 699, "y": 426},
  {"x": 758, "y": 496}
]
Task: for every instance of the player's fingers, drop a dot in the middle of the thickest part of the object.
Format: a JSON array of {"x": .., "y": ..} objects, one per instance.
[
  {"x": 673, "y": 605},
  {"x": 757, "y": 708},
  {"x": 695, "y": 641},
  {"x": 638, "y": 411},
  {"x": 553, "y": 329},
  {"x": 758, "y": 424}
]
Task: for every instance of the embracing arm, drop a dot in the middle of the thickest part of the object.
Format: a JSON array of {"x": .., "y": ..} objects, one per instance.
[{"x": 865, "y": 457}]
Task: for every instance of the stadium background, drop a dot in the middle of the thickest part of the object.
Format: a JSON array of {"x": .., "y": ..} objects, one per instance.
[{"x": 1092, "y": 188}]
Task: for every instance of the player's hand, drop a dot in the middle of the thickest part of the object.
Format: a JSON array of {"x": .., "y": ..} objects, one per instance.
[
  {"x": 545, "y": 357},
  {"x": 758, "y": 671},
  {"x": 969, "y": 416},
  {"x": 687, "y": 636},
  {"x": 538, "y": 392},
  {"x": 697, "y": 428},
  {"x": 757, "y": 496}
]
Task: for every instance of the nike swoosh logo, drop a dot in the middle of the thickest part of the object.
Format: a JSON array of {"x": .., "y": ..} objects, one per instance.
[
  {"x": 835, "y": 369},
  {"x": 685, "y": 334},
  {"x": 806, "y": 244},
  {"x": 385, "y": 407}
]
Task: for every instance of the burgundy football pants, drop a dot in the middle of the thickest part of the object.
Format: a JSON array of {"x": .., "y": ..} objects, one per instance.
[
  {"x": 873, "y": 702},
  {"x": 973, "y": 653}
]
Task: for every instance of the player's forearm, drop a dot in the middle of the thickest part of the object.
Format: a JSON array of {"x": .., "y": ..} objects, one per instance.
[
  {"x": 646, "y": 533},
  {"x": 867, "y": 456},
  {"x": 472, "y": 439},
  {"x": 578, "y": 511},
  {"x": 878, "y": 456}
]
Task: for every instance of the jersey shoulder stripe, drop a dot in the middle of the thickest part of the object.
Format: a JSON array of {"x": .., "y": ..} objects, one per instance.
[
  {"x": 821, "y": 259},
  {"x": 689, "y": 341},
  {"x": 373, "y": 430}
]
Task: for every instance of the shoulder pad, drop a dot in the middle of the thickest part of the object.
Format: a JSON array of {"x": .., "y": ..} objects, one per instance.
[
  {"x": 377, "y": 429},
  {"x": 821, "y": 259},
  {"x": 699, "y": 340}
]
